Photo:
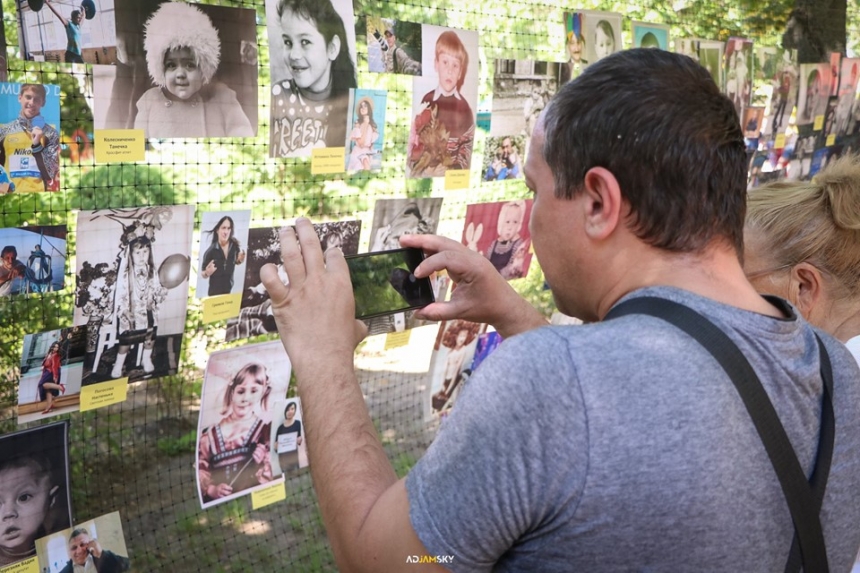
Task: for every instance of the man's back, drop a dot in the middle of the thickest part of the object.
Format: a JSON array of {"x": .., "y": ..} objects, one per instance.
[{"x": 624, "y": 446}]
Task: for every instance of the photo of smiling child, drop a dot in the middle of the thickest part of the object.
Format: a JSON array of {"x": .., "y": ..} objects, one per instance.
[
  {"x": 34, "y": 489},
  {"x": 443, "y": 128},
  {"x": 312, "y": 59},
  {"x": 29, "y": 140},
  {"x": 234, "y": 431},
  {"x": 499, "y": 231}
]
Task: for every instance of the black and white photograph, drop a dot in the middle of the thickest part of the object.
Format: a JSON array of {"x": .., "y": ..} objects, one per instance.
[
  {"x": 223, "y": 249},
  {"x": 393, "y": 46},
  {"x": 813, "y": 93},
  {"x": 602, "y": 31},
  {"x": 96, "y": 545},
  {"x": 34, "y": 488},
  {"x": 289, "y": 449},
  {"x": 739, "y": 72},
  {"x": 234, "y": 430},
  {"x": 504, "y": 157},
  {"x": 264, "y": 246},
  {"x": 521, "y": 91},
  {"x": 312, "y": 63},
  {"x": 709, "y": 53},
  {"x": 848, "y": 77},
  {"x": 132, "y": 290},
  {"x": 52, "y": 364},
  {"x": 395, "y": 217},
  {"x": 67, "y": 31},
  {"x": 32, "y": 259},
  {"x": 444, "y": 100},
  {"x": 184, "y": 70}
]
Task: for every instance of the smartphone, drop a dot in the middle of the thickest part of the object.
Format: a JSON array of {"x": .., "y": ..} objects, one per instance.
[{"x": 383, "y": 282}]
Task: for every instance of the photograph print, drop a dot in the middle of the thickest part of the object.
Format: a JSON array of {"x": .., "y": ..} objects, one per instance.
[
  {"x": 500, "y": 232},
  {"x": 647, "y": 35},
  {"x": 575, "y": 47},
  {"x": 504, "y": 157},
  {"x": 132, "y": 289},
  {"x": 848, "y": 78},
  {"x": 32, "y": 259},
  {"x": 739, "y": 72},
  {"x": 96, "y": 545},
  {"x": 521, "y": 91},
  {"x": 393, "y": 218},
  {"x": 444, "y": 100},
  {"x": 264, "y": 246},
  {"x": 711, "y": 58},
  {"x": 34, "y": 488},
  {"x": 783, "y": 75},
  {"x": 186, "y": 70},
  {"x": 602, "y": 31},
  {"x": 393, "y": 46},
  {"x": 289, "y": 449},
  {"x": 813, "y": 93},
  {"x": 234, "y": 430},
  {"x": 367, "y": 131},
  {"x": 66, "y": 31},
  {"x": 223, "y": 249},
  {"x": 52, "y": 366},
  {"x": 29, "y": 138},
  {"x": 312, "y": 64},
  {"x": 451, "y": 362}
]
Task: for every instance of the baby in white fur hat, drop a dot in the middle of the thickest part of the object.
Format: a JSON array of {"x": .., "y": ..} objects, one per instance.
[{"x": 182, "y": 55}]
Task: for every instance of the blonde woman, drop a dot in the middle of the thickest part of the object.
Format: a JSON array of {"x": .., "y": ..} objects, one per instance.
[{"x": 802, "y": 242}]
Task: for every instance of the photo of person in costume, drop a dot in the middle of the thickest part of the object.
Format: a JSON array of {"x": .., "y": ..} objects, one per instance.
[
  {"x": 443, "y": 128},
  {"x": 34, "y": 489},
  {"x": 312, "y": 69},
  {"x": 183, "y": 52},
  {"x": 29, "y": 143},
  {"x": 235, "y": 426},
  {"x": 364, "y": 144},
  {"x": 508, "y": 249},
  {"x": 94, "y": 546},
  {"x": 575, "y": 47},
  {"x": 139, "y": 298},
  {"x": 451, "y": 362},
  {"x": 221, "y": 263},
  {"x": 647, "y": 35}
]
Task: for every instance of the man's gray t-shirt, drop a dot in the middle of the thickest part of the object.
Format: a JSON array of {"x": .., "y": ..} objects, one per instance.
[{"x": 624, "y": 446}]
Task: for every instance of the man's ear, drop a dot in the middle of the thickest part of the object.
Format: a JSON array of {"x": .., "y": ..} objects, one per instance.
[
  {"x": 604, "y": 201},
  {"x": 333, "y": 48},
  {"x": 805, "y": 288}
]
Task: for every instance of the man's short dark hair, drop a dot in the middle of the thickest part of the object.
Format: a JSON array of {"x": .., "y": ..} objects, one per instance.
[
  {"x": 75, "y": 14},
  {"x": 79, "y": 531},
  {"x": 659, "y": 123},
  {"x": 9, "y": 249}
]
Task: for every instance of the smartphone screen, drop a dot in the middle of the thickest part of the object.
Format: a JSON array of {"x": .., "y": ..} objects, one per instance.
[{"x": 383, "y": 282}]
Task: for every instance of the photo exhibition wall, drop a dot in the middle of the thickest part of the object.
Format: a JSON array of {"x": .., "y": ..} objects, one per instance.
[{"x": 152, "y": 150}]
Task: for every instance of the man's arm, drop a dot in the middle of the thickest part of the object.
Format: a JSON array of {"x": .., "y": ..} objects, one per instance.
[
  {"x": 364, "y": 506},
  {"x": 482, "y": 294},
  {"x": 54, "y": 10}
]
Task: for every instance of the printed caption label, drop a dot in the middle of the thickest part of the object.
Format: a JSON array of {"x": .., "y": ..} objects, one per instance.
[
  {"x": 30, "y": 565},
  {"x": 819, "y": 123},
  {"x": 104, "y": 394},
  {"x": 328, "y": 160},
  {"x": 221, "y": 307},
  {"x": 397, "y": 339},
  {"x": 117, "y": 145},
  {"x": 456, "y": 179},
  {"x": 269, "y": 495}
]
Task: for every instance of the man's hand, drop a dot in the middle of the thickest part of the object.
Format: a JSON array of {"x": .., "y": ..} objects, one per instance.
[
  {"x": 94, "y": 548},
  {"x": 315, "y": 313},
  {"x": 482, "y": 294}
]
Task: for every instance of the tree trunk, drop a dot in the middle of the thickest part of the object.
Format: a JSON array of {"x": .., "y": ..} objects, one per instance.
[{"x": 816, "y": 28}]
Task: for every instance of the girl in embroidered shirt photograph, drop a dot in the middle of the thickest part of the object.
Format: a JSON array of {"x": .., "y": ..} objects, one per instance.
[
  {"x": 183, "y": 53},
  {"x": 309, "y": 106}
]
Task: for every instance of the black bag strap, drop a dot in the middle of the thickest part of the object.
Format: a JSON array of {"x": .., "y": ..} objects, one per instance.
[{"x": 804, "y": 497}]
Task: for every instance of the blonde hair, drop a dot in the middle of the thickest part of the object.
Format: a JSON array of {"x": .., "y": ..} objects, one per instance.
[
  {"x": 816, "y": 221},
  {"x": 518, "y": 204}
]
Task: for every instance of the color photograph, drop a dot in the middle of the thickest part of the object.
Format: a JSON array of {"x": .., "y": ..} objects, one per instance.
[
  {"x": 647, "y": 35},
  {"x": 32, "y": 260},
  {"x": 504, "y": 157},
  {"x": 223, "y": 249},
  {"x": 289, "y": 449},
  {"x": 234, "y": 430},
  {"x": 814, "y": 92},
  {"x": 444, "y": 100},
  {"x": 34, "y": 488},
  {"x": 312, "y": 63},
  {"x": 132, "y": 290},
  {"x": 451, "y": 362},
  {"x": 29, "y": 138},
  {"x": 367, "y": 134},
  {"x": 185, "y": 71},
  {"x": 500, "y": 232},
  {"x": 70, "y": 32},
  {"x": 739, "y": 69},
  {"x": 393, "y": 46},
  {"x": 52, "y": 366},
  {"x": 783, "y": 79},
  {"x": 96, "y": 545},
  {"x": 264, "y": 246},
  {"x": 575, "y": 57}
]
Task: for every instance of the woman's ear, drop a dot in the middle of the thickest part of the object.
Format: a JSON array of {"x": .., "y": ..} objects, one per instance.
[
  {"x": 805, "y": 288},
  {"x": 333, "y": 48}
]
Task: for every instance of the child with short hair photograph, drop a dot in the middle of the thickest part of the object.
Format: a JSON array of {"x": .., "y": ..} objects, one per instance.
[{"x": 182, "y": 56}]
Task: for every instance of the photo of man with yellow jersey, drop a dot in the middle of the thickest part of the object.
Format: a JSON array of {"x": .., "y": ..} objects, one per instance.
[{"x": 29, "y": 143}]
